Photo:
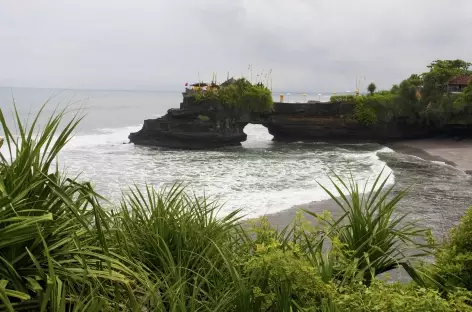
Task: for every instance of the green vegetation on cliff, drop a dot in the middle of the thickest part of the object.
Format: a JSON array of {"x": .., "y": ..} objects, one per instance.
[
  {"x": 65, "y": 248},
  {"x": 420, "y": 99},
  {"x": 239, "y": 94}
]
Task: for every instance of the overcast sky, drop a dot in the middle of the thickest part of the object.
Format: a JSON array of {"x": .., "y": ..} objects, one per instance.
[{"x": 310, "y": 45}]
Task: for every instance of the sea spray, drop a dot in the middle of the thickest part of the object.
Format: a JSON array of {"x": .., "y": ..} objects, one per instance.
[{"x": 260, "y": 177}]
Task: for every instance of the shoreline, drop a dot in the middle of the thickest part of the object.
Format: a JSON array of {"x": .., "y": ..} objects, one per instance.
[
  {"x": 454, "y": 153},
  {"x": 457, "y": 154}
]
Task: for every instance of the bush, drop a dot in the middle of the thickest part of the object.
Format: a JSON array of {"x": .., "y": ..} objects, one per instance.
[
  {"x": 420, "y": 99},
  {"x": 240, "y": 94},
  {"x": 278, "y": 270},
  {"x": 364, "y": 114},
  {"x": 370, "y": 109},
  {"x": 379, "y": 104},
  {"x": 463, "y": 102},
  {"x": 454, "y": 258},
  {"x": 396, "y": 297}
]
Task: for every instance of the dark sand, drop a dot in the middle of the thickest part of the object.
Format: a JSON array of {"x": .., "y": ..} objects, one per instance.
[{"x": 452, "y": 152}]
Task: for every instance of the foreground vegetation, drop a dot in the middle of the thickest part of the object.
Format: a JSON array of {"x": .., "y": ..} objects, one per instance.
[
  {"x": 239, "y": 94},
  {"x": 420, "y": 99},
  {"x": 64, "y": 247}
]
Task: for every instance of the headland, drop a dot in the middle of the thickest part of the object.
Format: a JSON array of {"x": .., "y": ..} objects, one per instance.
[{"x": 423, "y": 106}]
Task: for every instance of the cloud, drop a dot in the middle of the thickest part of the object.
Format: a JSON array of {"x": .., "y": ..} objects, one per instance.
[{"x": 309, "y": 45}]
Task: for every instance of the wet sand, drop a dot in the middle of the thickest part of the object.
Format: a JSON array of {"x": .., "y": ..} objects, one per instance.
[
  {"x": 285, "y": 217},
  {"x": 452, "y": 152}
]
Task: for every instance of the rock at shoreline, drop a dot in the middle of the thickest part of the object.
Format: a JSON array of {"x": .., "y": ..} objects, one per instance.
[
  {"x": 194, "y": 126},
  {"x": 209, "y": 124}
]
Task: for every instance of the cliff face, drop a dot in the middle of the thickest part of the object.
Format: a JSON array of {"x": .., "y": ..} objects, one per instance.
[
  {"x": 335, "y": 128},
  {"x": 331, "y": 122},
  {"x": 194, "y": 126},
  {"x": 208, "y": 124}
]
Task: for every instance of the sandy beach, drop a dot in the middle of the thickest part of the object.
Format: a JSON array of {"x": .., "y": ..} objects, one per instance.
[{"x": 452, "y": 152}]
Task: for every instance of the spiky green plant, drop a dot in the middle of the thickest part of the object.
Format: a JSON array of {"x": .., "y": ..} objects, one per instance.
[
  {"x": 372, "y": 238},
  {"x": 183, "y": 244},
  {"x": 53, "y": 252},
  {"x": 60, "y": 250}
]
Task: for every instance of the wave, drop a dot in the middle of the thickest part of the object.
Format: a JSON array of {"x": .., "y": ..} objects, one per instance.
[
  {"x": 260, "y": 178},
  {"x": 103, "y": 136}
]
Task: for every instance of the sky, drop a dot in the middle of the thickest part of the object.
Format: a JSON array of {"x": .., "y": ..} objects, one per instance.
[{"x": 308, "y": 45}]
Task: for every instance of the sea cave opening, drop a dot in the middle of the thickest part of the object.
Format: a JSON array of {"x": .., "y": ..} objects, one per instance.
[{"x": 257, "y": 136}]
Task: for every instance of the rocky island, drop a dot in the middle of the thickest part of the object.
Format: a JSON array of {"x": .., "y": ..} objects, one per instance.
[{"x": 438, "y": 102}]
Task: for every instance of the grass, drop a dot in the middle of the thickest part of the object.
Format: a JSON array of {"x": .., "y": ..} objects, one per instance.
[{"x": 64, "y": 248}]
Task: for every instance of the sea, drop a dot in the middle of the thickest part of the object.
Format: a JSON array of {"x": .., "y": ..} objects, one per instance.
[{"x": 260, "y": 177}]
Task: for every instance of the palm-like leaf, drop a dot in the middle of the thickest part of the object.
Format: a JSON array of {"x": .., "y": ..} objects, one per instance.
[
  {"x": 181, "y": 241},
  {"x": 371, "y": 236},
  {"x": 52, "y": 243}
]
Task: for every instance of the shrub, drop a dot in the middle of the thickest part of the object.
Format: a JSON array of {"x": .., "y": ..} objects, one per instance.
[
  {"x": 396, "y": 297},
  {"x": 382, "y": 104},
  {"x": 281, "y": 279},
  {"x": 419, "y": 99},
  {"x": 454, "y": 258},
  {"x": 364, "y": 114},
  {"x": 463, "y": 102},
  {"x": 277, "y": 269},
  {"x": 384, "y": 92},
  {"x": 240, "y": 94}
]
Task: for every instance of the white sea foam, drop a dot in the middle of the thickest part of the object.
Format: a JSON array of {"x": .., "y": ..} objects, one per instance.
[
  {"x": 104, "y": 136},
  {"x": 261, "y": 177}
]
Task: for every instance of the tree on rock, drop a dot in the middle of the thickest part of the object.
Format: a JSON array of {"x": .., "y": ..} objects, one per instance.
[{"x": 371, "y": 88}]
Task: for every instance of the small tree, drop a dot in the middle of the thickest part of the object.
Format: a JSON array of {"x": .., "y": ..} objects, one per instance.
[{"x": 371, "y": 88}]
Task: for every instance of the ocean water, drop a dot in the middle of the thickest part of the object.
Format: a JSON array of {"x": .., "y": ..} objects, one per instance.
[{"x": 261, "y": 177}]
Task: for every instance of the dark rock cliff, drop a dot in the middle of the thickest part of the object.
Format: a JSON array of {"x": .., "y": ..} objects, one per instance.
[
  {"x": 337, "y": 129},
  {"x": 208, "y": 124},
  {"x": 194, "y": 126}
]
